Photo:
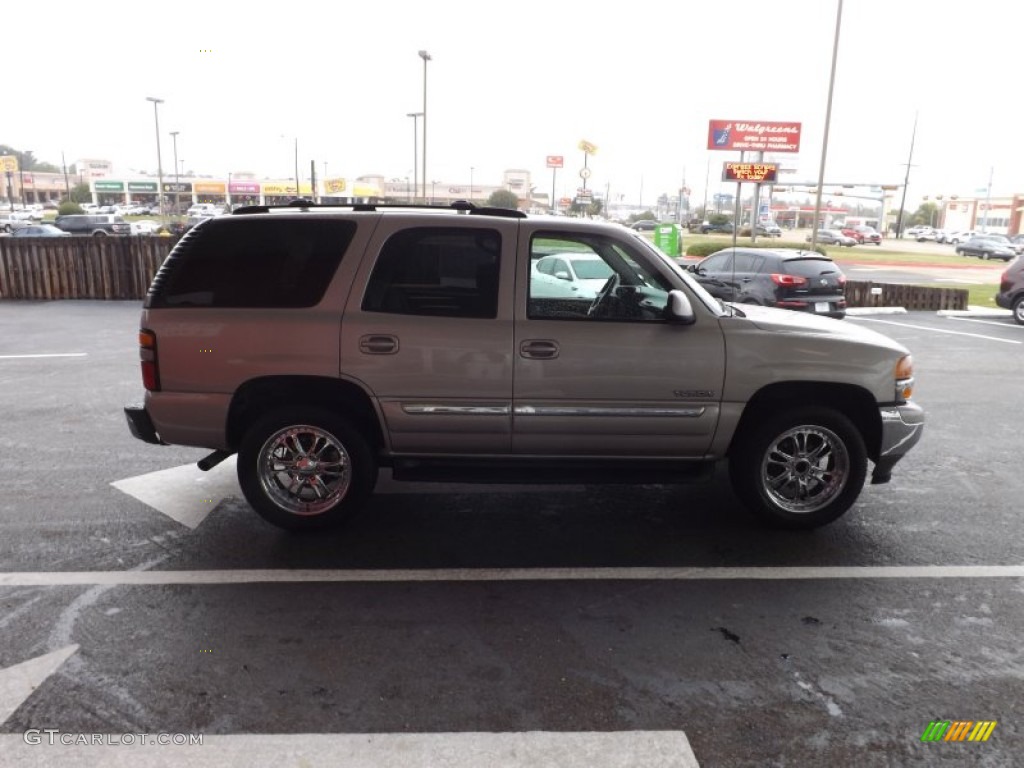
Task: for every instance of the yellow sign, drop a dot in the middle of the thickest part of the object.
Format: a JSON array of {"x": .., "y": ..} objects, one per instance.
[
  {"x": 334, "y": 186},
  {"x": 285, "y": 189},
  {"x": 8, "y": 164},
  {"x": 209, "y": 188},
  {"x": 586, "y": 146}
]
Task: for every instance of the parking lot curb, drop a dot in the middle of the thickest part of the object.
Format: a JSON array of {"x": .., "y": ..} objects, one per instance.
[
  {"x": 876, "y": 310},
  {"x": 975, "y": 311}
]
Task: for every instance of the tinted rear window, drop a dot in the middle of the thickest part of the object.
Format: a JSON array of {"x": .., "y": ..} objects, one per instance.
[
  {"x": 252, "y": 263},
  {"x": 810, "y": 267}
]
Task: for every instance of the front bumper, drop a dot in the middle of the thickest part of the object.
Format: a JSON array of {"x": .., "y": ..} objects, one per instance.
[
  {"x": 902, "y": 426},
  {"x": 140, "y": 425}
]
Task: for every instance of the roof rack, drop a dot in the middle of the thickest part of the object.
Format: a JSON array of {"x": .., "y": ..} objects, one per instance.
[{"x": 462, "y": 206}]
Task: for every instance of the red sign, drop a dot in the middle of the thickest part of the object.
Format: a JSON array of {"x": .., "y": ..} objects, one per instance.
[
  {"x": 555, "y": 161},
  {"x": 756, "y": 172},
  {"x": 741, "y": 135}
]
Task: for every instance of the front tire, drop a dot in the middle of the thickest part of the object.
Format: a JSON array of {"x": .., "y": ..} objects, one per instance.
[
  {"x": 305, "y": 469},
  {"x": 800, "y": 469}
]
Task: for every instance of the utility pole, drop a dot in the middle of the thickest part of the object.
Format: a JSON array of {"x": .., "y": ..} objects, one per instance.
[{"x": 906, "y": 180}]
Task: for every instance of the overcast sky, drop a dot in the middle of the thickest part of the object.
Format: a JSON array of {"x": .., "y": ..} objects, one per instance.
[{"x": 510, "y": 83}]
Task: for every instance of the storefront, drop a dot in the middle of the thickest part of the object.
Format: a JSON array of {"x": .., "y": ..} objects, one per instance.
[
  {"x": 108, "y": 192},
  {"x": 282, "y": 193},
  {"x": 142, "y": 192},
  {"x": 244, "y": 193},
  {"x": 178, "y": 195},
  {"x": 211, "y": 192}
]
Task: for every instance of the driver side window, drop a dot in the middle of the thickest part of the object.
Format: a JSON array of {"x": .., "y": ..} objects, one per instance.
[{"x": 583, "y": 277}]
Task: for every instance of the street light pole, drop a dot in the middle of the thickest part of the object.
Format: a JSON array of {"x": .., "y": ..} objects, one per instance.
[
  {"x": 906, "y": 181},
  {"x": 297, "y": 192},
  {"x": 159, "y": 162},
  {"x": 415, "y": 149},
  {"x": 828, "y": 120},
  {"x": 177, "y": 185},
  {"x": 21, "y": 178},
  {"x": 471, "y": 169},
  {"x": 426, "y": 57}
]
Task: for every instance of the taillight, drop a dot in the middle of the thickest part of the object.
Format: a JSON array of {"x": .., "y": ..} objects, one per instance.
[
  {"x": 150, "y": 367},
  {"x": 788, "y": 279}
]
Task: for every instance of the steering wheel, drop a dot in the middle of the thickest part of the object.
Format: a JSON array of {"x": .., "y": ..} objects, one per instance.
[{"x": 607, "y": 290}]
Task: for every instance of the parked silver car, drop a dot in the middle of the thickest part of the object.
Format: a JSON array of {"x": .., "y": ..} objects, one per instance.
[{"x": 833, "y": 237}]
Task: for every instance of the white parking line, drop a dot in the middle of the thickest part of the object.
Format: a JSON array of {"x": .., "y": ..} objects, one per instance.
[
  {"x": 938, "y": 330},
  {"x": 281, "y": 575},
  {"x": 531, "y": 749},
  {"x": 57, "y": 354},
  {"x": 986, "y": 322}
]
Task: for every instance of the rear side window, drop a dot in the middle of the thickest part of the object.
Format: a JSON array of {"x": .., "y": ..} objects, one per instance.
[
  {"x": 438, "y": 271},
  {"x": 271, "y": 263}
]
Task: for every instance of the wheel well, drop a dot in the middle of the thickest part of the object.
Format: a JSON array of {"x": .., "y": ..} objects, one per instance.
[
  {"x": 256, "y": 397},
  {"x": 852, "y": 401}
]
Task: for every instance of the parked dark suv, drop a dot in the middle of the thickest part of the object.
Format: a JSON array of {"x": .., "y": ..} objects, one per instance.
[
  {"x": 1011, "y": 290},
  {"x": 775, "y": 277},
  {"x": 96, "y": 224}
]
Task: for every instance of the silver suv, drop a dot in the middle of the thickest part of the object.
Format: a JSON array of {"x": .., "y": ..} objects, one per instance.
[{"x": 321, "y": 344}]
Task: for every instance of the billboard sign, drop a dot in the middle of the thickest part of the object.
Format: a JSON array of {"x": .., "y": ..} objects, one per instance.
[
  {"x": 555, "y": 161},
  {"x": 755, "y": 172},
  {"x": 753, "y": 136}
]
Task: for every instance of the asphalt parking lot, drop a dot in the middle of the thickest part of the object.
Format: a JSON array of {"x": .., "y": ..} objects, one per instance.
[{"x": 568, "y": 625}]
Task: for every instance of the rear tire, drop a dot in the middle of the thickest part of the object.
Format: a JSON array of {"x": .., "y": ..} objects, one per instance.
[
  {"x": 305, "y": 469},
  {"x": 1018, "y": 310},
  {"x": 800, "y": 469}
]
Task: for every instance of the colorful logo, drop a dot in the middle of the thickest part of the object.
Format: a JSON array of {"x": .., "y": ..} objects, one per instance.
[
  {"x": 721, "y": 135},
  {"x": 958, "y": 730}
]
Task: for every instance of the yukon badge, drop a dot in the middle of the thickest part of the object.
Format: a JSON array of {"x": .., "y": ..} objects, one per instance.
[{"x": 701, "y": 393}]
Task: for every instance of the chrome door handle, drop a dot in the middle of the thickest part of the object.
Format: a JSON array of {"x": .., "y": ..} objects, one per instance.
[
  {"x": 538, "y": 349},
  {"x": 378, "y": 345}
]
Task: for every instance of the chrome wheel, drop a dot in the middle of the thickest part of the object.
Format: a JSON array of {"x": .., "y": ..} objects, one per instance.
[
  {"x": 304, "y": 470},
  {"x": 805, "y": 469}
]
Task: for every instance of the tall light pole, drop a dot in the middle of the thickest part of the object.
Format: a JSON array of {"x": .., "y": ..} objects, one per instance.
[
  {"x": 426, "y": 57},
  {"x": 159, "y": 161},
  {"x": 906, "y": 181},
  {"x": 828, "y": 120},
  {"x": 297, "y": 190},
  {"x": 471, "y": 169},
  {"x": 415, "y": 149},
  {"x": 177, "y": 186}
]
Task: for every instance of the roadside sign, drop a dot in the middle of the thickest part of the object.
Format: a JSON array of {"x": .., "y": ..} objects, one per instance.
[
  {"x": 555, "y": 161},
  {"x": 755, "y": 172},
  {"x": 8, "y": 164},
  {"x": 753, "y": 135}
]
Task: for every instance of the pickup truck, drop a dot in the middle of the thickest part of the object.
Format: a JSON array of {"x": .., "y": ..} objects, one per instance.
[{"x": 321, "y": 344}]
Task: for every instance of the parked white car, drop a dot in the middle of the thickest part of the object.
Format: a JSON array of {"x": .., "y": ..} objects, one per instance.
[
  {"x": 960, "y": 237},
  {"x": 568, "y": 275},
  {"x": 145, "y": 227}
]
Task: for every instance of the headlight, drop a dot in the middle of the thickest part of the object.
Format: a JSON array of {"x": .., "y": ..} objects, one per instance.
[{"x": 904, "y": 378}]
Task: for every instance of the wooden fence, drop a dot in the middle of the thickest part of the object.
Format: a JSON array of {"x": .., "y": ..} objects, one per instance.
[
  {"x": 123, "y": 268},
  {"x": 924, "y": 297},
  {"x": 80, "y": 267}
]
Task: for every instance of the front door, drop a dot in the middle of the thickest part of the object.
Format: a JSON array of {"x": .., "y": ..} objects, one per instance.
[{"x": 607, "y": 374}]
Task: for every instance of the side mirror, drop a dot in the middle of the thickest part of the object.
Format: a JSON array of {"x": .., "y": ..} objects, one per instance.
[
  {"x": 562, "y": 275},
  {"x": 679, "y": 309}
]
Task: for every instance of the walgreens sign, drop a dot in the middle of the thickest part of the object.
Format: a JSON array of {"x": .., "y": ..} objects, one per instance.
[{"x": 748, "y": 135}]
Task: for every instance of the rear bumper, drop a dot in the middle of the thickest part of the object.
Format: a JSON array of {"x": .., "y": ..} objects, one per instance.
[
  {"x": 141, "y": 426},
  {"x": 902, "y": 426}
]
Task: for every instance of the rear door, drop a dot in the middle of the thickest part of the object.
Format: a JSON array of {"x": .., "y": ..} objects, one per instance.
[{"x": 430, "y": 335}]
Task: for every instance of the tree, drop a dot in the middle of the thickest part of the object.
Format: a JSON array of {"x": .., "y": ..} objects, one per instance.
[
  {"x": 502, "y": 198},
  {"x": 926, "y": 213},
  {"x": 27, "y": 161},
  {"x": 80, "y": 193},
  {"x": 68, "y": 208}
]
